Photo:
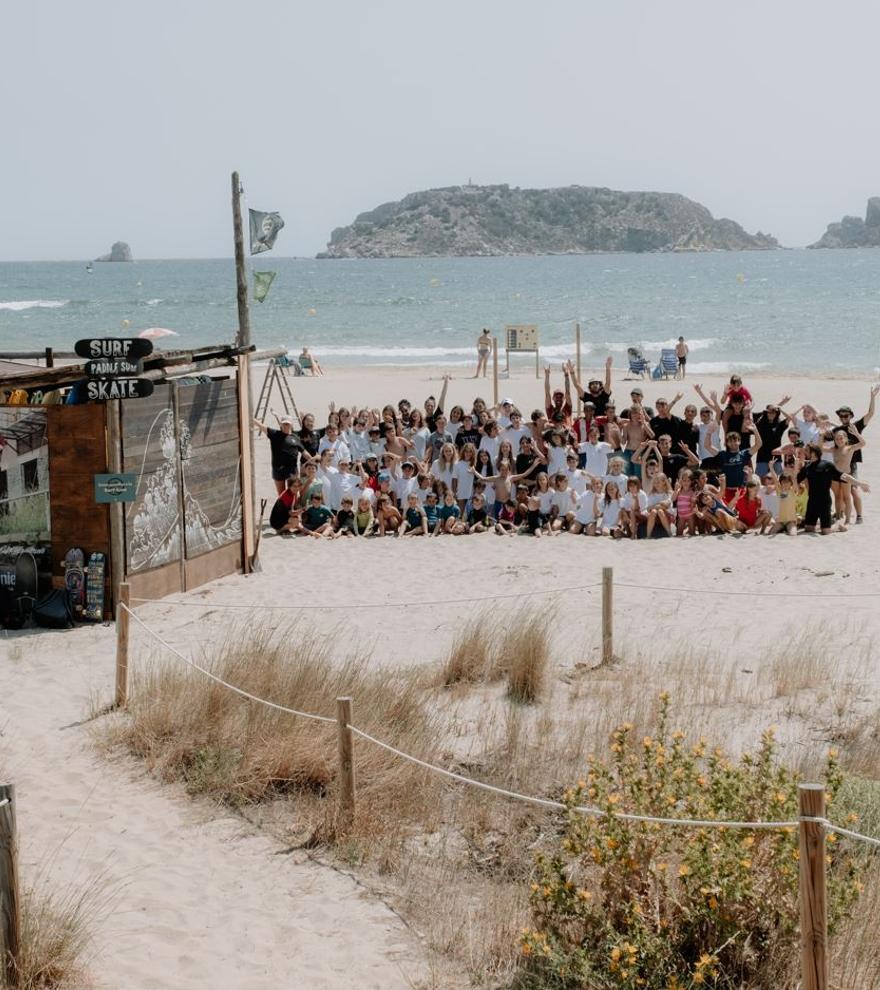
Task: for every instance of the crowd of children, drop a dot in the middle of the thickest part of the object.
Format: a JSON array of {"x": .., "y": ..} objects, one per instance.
[{"x": 578, "y": 465}]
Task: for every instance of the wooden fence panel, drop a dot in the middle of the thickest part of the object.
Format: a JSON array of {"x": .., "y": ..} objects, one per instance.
[
  {"x": 149, "y": 451},
  {"x": 209, "y": 439}
]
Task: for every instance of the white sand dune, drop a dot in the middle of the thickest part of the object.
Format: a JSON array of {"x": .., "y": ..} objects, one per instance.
[{"x": 201, "y": 899}]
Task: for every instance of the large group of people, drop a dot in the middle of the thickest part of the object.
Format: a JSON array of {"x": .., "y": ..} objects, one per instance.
[{"x": 578, "y": 465}]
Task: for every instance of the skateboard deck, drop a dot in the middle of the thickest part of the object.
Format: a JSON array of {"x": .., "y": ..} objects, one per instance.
[
  {"x": 94, "y": 607},
  {"x": 26, "y": 582},
  {"x": 75, "y": 579}
]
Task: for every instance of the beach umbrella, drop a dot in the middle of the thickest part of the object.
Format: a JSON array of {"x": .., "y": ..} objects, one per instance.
[{"x": 153, "y": 333}]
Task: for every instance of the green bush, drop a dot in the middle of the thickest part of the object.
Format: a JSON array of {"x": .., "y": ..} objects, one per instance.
[{"x": 631, "y": 904}]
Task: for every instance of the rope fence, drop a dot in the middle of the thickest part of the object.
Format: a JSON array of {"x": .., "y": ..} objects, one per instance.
[{"x": 812, "y": 823}]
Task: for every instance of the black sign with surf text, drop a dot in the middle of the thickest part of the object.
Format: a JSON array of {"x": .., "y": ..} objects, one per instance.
[
  {"x": 111, "y": 348},
  {"x": 118, "y": 388}
]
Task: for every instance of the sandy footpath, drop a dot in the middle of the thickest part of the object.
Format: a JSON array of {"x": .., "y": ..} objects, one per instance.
[{"x": 200, "y": 899}]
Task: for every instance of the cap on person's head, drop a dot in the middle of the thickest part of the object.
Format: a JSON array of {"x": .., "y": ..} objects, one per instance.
[
  {"x": 842, "y": 410},
  {"x": 558, "y": 391},
  {"x": 507, "y": 402},
  {"x": 522, "y": 488},
  {"x": 375, "y": 429},
  {"x": 593, "y": 381},
  {"x": 408, "y": 464},
  {"x": 384, "y": 476},
  {"x": 636, "y": 391},
  {"x": 287, "y": 419},
  {"x": 592, "y": 405}
]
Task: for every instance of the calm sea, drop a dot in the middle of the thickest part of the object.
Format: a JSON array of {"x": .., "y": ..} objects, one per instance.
[{"x": 802, "y": 311}]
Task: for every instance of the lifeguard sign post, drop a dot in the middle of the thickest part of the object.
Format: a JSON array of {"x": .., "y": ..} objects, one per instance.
[{"x": 522, "y": 338}]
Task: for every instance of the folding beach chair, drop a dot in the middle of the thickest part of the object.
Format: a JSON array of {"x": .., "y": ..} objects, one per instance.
[
  {"x": 638, "y": 363},
  {"x": 669, "y": 362}
]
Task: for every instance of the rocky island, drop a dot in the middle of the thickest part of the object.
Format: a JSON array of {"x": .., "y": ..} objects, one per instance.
[
  {"x": 852, "y": 232},
  {"x": 485, "y": 221},
  {"x": 120, "y": 251}
]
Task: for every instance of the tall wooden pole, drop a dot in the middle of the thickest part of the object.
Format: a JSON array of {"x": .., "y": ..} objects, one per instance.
[
  {"x": 495, "y": 370},
  {"x": 814, "y": 910},
  {"x": 577, "y": 350},
  {"x": 243, "y": 339},
  {"x": 244, "y": 317},
  {"x": 10, "y": 920}
]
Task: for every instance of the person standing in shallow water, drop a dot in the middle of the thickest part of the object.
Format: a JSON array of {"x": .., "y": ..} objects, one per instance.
[
  {"x": 681, "y": 352},
  {"x": 484, "y": 348}
]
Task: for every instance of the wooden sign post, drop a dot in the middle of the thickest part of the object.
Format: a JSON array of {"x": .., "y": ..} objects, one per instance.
[{"x": 522, "y": 338}]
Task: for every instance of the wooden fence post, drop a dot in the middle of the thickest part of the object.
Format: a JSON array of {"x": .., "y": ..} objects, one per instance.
[
  {"x": 577, "y": 350},
  {"x": 495, "y": 370},
  {"x": 346, "y": 761},
  {"x": 607, "y": 614},
  {"x": 814, "y": 911},
  {"x": 9, "y": 904},
  {"x": 122, "y": 618}
]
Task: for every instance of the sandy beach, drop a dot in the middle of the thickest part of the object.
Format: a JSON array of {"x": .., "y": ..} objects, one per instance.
[{"x": 202, "y": 899}]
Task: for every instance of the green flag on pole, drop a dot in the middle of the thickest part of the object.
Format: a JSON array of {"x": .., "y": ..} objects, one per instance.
[{"x": 262, "y": 281}]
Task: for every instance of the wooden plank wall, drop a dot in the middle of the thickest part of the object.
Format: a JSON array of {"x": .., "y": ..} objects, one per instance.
[
  {"x": 77, "y": 452},
  {"x": 210, "y": 440}
]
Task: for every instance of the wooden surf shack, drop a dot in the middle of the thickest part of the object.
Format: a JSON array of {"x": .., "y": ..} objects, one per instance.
[{"x": 187, "y": 446}]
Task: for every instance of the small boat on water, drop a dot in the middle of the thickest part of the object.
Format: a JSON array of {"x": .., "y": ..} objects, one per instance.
[{"x": 89, "y": 268}]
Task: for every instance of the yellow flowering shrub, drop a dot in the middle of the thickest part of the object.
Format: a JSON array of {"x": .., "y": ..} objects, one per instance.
[{"x": 622, "y": 904}]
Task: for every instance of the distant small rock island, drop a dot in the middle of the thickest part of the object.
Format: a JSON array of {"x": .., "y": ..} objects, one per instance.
[
  {"x": 853, "y": 232},
  {"x": 489, "y": 221},
  {"x": 119, "y": 252}
]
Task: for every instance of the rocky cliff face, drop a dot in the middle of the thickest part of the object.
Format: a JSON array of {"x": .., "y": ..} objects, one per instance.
[
  {"x": 119, "y": 252},
  {"x": 497, "y": 220},
  {"x": 853, "y": 231}
]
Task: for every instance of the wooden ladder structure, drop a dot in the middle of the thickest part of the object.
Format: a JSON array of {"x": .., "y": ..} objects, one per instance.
[{"x": 276, "y": 375}]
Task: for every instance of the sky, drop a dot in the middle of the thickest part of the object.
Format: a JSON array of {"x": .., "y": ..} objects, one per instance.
[{"x": 124, "y": 121}]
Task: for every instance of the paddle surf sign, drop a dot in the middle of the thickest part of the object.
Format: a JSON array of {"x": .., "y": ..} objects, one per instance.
[
  {"x": 108, "y": 348},
  {"x": 114, "y": 368},
  {"x": 99, "y": 389}
]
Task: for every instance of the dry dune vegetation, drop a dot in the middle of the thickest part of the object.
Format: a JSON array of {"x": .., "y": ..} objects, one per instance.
[
  {"x": 485, "y": 880},
  {"x": 56, "y": 928}
]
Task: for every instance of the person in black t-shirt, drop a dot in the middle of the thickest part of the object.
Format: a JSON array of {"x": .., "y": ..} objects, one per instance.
[
  {"x": 467, "y": 433},
  {"x": 819, "y": 476},
  {"x": 596, "y": 391},
  {"x": 665, "y": 422},
  {"x": 689, "y": 429},
  {"x": 771, "y": 426},
  {"x": 286, "y": 450}
]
